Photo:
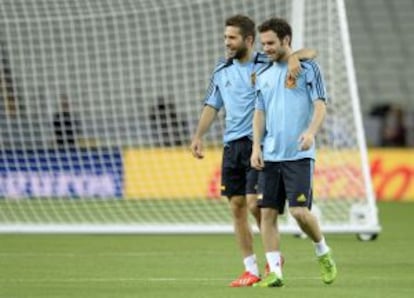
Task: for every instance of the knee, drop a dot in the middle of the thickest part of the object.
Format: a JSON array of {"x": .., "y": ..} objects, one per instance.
[
  {"x": 299, "y": 213},
  {"x": 252, "y": 205},
  {"x": 268, "y": 219},
  {"x": 238, "y": 207}
]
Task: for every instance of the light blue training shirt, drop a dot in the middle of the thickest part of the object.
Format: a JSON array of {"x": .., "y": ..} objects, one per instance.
[
  {"x": 232, "y": 86},
  {"x": 288, "y": 110}
]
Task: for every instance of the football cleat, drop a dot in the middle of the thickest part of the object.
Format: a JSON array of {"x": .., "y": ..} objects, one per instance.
[
  {"x": 270, "y": 281},
  {"x": 247, "y": 279},
  {"x": 328, "y": 268}
]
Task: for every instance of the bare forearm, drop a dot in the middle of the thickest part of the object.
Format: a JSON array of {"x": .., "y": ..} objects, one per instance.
[
  {"x": 206, "y": 119},
  {"x": 318, "y": 117},
  {"x": 258, "y": 128},
  {"x": 305, "y": 53}
]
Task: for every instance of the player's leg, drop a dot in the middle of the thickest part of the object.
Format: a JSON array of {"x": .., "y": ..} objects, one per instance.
[
  {"x": 244, "y": 237},
  {"x": 297, "y": 176},
  {"x": 234, "y": 187},
  {"x": 272, "y": 205},
  {"x": 253, "y": 187},
  {"x": 308, "y": 222},
  {"x": 242, "y": 229},
  {"x": 298, "y": 181},
  {"x": 252, "y": 181}
]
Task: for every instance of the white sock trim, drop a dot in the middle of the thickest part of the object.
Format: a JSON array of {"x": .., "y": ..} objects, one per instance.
[
  {"x": 321, "y": 247},
  {"x": 250, "y": 264},
  {"x": 275, "y": 262}
]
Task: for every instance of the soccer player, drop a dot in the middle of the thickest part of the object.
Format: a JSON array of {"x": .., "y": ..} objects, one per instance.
[
  {"x": 232, "y": 87},
  {"x": 289, "y": 112}
]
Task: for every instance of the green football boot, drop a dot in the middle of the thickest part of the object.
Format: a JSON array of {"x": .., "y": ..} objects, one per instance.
[
  {"x": 271, "y": 280},
  {"x": 328, "y": 268}
]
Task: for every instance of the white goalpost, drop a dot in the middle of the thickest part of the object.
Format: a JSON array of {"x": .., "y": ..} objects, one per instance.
[{"x": 99, "y": 99}]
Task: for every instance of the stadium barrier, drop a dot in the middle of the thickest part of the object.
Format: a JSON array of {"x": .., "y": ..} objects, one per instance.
[
  {"x": 392, "y": 173},
  {"x": 83, "y": 173},
  {"x": 108, "y": 173}
]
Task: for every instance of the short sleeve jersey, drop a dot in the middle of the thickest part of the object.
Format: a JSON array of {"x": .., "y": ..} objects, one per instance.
[
  {"x": 288, "y": 108},
  {"x": 232, "y": 87}
]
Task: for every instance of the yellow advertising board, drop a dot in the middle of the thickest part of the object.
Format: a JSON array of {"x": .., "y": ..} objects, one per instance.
[
  {"x": 392, "y": 172},
  {"x": 172, "y": 173},
  {"x": 338, "y": 175}
]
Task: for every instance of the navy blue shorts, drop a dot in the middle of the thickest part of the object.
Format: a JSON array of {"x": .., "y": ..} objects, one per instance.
[
  {"x": 287, "y": 181},
  {"x": 238, "y": 178}
]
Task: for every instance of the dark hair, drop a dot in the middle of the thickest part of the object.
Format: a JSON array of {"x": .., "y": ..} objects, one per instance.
[
  {"x": 278, "y": 25},
  {"x": 244, "y": 23}
]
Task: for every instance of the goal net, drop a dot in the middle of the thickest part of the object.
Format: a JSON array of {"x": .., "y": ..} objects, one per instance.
[{"x": 99, "y": 99}]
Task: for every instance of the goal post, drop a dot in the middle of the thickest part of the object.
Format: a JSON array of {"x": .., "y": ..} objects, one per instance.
[
  {"x": 366, "y": 213},
  {"x": 100, "y": 98}
]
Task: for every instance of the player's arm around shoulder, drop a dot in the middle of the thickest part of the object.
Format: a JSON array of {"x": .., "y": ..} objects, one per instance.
[{"x": 294, "y": 66}]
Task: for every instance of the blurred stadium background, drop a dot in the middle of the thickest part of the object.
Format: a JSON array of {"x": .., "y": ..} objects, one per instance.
[
  {"x": 381, "y": 34},
  {"x": 93, "y": 109},
  {"x": 100, "y": 58},
  {"x": 51, "y": 51}
]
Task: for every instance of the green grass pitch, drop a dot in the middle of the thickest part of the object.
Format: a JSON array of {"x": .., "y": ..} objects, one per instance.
[{"x": 161, "y": 266}]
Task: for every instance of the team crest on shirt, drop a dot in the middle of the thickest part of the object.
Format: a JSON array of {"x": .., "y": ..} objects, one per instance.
[
  {"x": 290, "y": 82},
  {"x": 253, "y": 79}
]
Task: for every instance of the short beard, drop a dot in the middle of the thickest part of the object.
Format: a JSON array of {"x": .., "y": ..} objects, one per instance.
[
  {"x": 241, "y": 53},
  {"x": 281, "y": 55}
]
